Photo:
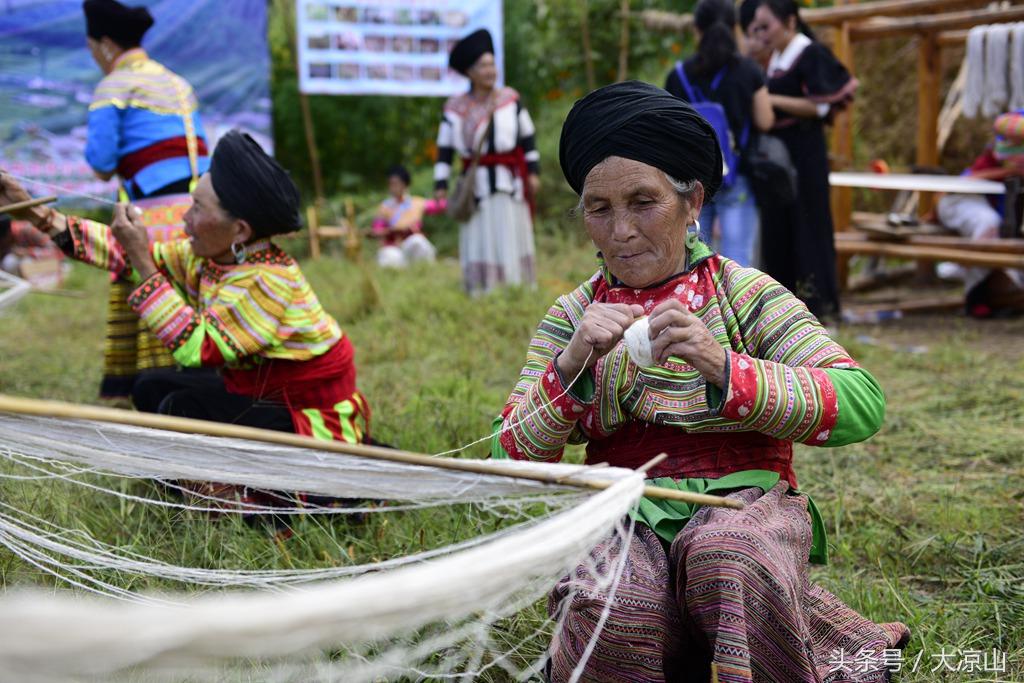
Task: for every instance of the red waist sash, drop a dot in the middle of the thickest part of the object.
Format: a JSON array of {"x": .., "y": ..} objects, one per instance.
[
  {"x": 515, "y": 161},
  {"x": 690, "y": 455},
  {"x": 320, "y": 382},
  {"x": 171, "y": 148}
]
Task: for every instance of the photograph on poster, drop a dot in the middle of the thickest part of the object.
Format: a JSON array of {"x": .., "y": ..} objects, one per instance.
[{"x": 320, "y": 42}]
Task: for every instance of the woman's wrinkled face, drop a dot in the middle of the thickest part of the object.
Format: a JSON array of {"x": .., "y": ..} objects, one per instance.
[
  {"x": 210, "y": 228},
  {"x": 637, "y": 219},
  {"x": 484, "y": 73},
  {"x": 771, "y": 31}
]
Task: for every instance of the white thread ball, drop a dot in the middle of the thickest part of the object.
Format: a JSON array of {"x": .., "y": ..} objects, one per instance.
[{"x": 638, "y": 343}]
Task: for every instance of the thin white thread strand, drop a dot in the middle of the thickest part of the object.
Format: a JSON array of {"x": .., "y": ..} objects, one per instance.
[
  {"x": 505, "y": 428},
  {"x": 62, "y": 190}
]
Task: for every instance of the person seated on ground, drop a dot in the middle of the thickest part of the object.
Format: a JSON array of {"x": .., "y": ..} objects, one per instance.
[
  {"x": 21, "y": 244},
  {"x": 228, "y": 298},
  {"x": 399, "y": 223},
  {"x": 740, "y": 371},
  {"x": 989, "y": 291}
]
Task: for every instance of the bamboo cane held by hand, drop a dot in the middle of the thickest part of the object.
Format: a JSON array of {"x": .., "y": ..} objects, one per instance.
[{"x": 28, "y": 203}]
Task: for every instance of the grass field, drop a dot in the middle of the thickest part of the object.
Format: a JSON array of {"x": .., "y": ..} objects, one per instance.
[{"x": 925, "y": 519}]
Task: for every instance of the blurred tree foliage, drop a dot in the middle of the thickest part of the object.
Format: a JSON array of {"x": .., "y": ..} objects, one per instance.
[{"x": 358, "y": 137}]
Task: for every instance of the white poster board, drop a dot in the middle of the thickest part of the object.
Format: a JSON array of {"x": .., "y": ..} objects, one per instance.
[{"x": 389, "y": 47}]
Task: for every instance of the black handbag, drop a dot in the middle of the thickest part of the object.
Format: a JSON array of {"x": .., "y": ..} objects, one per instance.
[{"x": 771, "y": 172}]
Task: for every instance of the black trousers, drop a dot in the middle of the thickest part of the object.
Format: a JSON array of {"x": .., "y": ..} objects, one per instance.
[{"x": 200, "y": 394}]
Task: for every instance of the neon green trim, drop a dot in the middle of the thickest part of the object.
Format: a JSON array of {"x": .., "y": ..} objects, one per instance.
[
  {"x": 345, "y": 411},
  {"x": 189, "y": 354},
  {"x": 316, "y": 422}
]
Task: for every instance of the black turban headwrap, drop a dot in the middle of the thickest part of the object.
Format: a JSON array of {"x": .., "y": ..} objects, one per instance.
[
  {"x": 638, "y": 121},
  {"x": 122, "y": 24},
  {"x": 469, "y": 49},
  {"x": 252, "y": 186}
]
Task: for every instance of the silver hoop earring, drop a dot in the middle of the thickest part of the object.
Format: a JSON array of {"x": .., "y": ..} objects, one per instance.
[
  {"x": 693, "y": 236},
  {"x": 238, "y": 251}
]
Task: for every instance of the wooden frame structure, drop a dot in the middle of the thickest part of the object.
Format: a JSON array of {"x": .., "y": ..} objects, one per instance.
[
  {"x": 934, "y": 24},
  {"x": 345, "y": 230}
]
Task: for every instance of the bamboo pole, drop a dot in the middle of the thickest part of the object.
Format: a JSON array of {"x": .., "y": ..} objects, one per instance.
[
  {"x": 307, "y": 117},
  {"x": 588, "y": 54},
  {"x": 672, "y": 22},
  {"x": 27, "y": 406},
  {"x": 624, "y": 42},
  {"x": 28, "y": 203},
  {"x": 936, "y": 23},
  {"x": 842, "y": 148}
]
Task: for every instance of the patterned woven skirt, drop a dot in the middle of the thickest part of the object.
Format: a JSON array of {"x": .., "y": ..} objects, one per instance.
[
  {"x": 129, "y": 347},
  {"x": 730, "y": 596}
]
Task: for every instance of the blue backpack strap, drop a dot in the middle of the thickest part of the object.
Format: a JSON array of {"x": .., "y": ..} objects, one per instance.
[
  {"x": 717, "y": 80},
  {"x": 744, "y": 137},
  {"x": 692, "y": 93}
]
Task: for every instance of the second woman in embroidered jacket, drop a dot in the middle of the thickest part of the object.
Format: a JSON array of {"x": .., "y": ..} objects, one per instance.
[{"x": 227, "y": 297}]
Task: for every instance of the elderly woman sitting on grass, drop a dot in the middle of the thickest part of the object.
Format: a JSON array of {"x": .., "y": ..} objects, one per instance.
[{"x": 737, "y": 371}]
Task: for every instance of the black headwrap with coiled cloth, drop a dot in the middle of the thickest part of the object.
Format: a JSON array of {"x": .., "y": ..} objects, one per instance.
[
  {"x": 252, "y": 186},
  {"x": 638, "y": 121}
]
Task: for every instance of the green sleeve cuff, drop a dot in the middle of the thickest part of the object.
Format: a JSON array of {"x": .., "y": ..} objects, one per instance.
[{"x": 861, "y": 405}]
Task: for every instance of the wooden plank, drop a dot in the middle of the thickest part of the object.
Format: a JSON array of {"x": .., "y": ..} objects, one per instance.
[
  {"x": 996, "y": 246},
  {"x": 918, "y": 182},
  {"x": 928, "y": 253},
  {"x": 934, "y": 24},
  {"x": 935, "y": 303},
  {"x": 951, "y": 38}
]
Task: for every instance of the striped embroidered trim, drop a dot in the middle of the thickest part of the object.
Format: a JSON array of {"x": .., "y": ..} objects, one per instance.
[
  {"x": 162, "y": 310},
  {"x": 542, "y": 419}
]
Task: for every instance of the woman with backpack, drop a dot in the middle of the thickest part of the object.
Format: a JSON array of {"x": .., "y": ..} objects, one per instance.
[
  {"x": 730, "y": 91},
  {"x": 807, "y": 85}
]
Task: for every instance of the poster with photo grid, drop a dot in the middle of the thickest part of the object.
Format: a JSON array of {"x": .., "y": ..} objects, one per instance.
[{"x": 388, "y": 47}]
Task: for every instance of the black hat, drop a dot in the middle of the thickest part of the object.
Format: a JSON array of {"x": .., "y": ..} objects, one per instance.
[
  {"x": 469, "y": 49},
  {"x": 638, "y": 121},
  {"x": 122, "y": 24},
  {"x": 252, "y": 186}
]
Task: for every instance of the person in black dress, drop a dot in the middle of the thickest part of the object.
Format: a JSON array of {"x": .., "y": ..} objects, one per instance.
[
  {"x": 808, "y": 86},
  {"x": 717, "y": 73}
]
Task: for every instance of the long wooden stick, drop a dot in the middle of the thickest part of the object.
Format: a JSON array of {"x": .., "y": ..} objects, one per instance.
[
  {"x": 28, "y": 203},
  {"x": 27, "y": 406}
]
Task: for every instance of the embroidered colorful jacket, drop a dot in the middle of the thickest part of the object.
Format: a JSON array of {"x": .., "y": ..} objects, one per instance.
[
  {"x": 786, "y": 381},
  {"x": 140, "y": 121},
  {"x": 259, "y": 321}
]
